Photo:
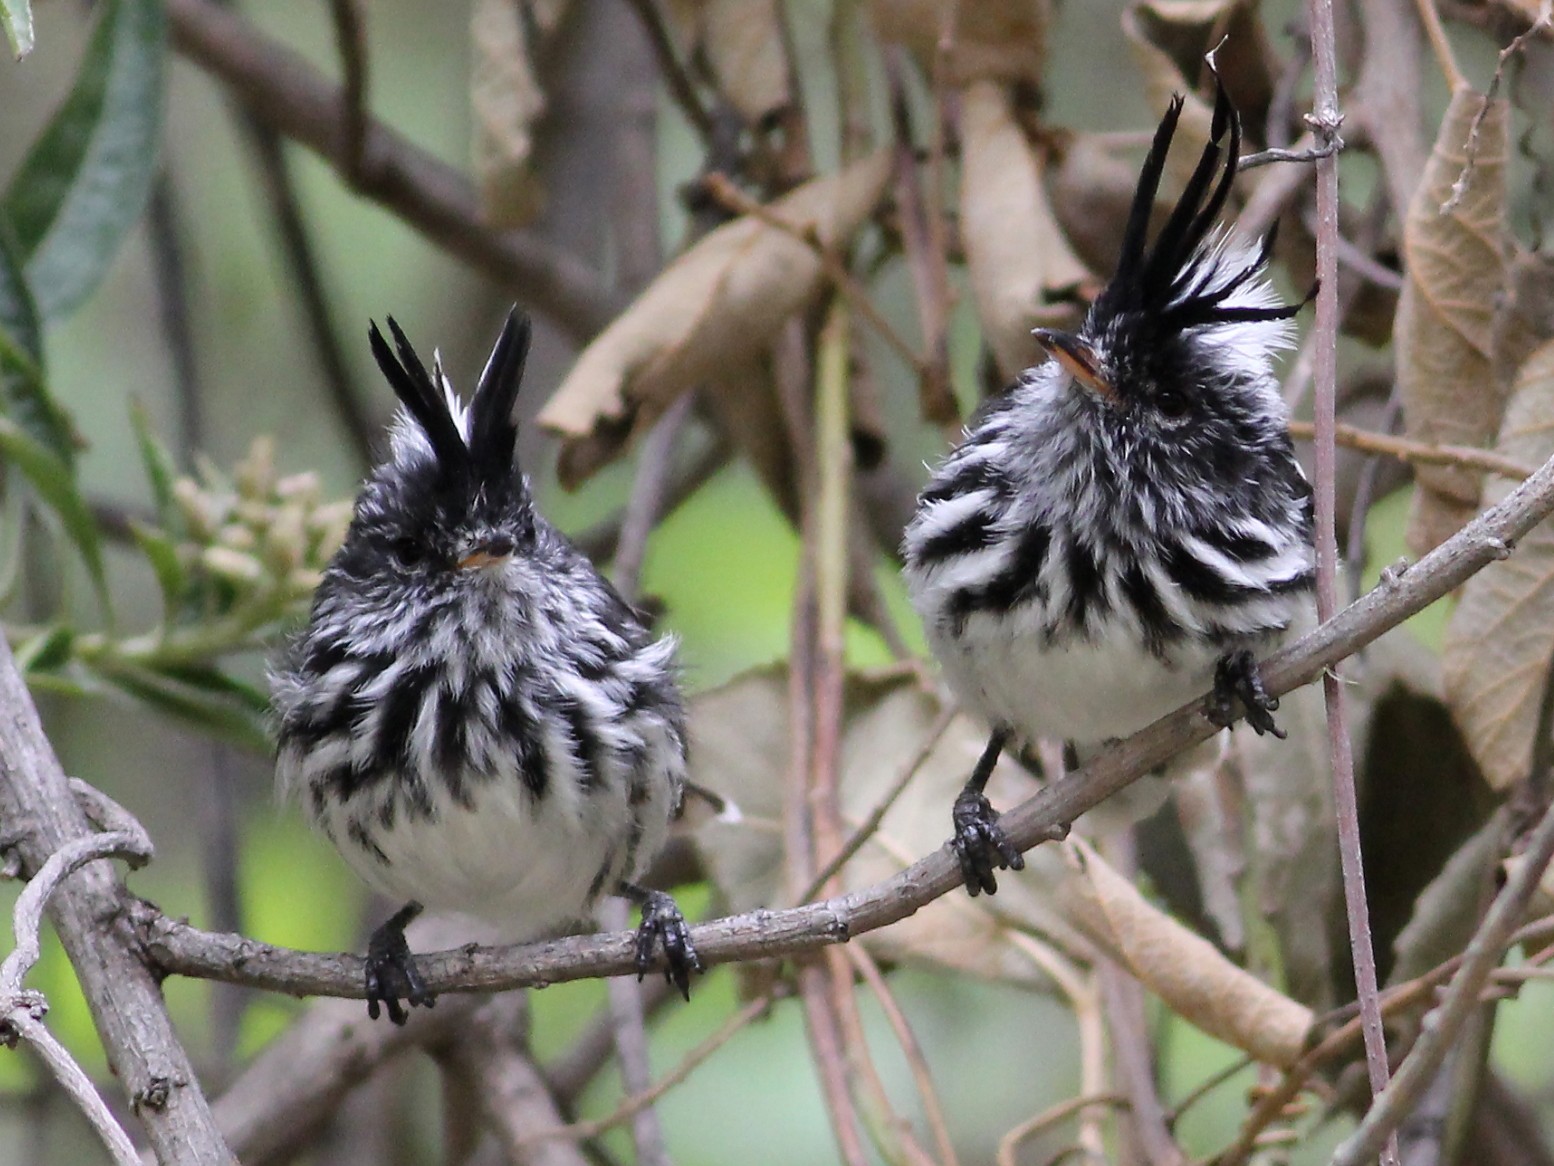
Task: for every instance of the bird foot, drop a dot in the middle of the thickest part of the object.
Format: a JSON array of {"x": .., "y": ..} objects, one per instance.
[
  {"x": 1236, "y": 679},
  {"x": 392, "y": 974},
  {"x": 664, "y": 926},
  {"x": 981, "y": 844}
]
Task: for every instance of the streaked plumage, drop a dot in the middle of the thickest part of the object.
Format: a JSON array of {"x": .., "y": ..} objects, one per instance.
[
  {"x": 1129, "y": 517},
  {"x": 473, "y": 715}
]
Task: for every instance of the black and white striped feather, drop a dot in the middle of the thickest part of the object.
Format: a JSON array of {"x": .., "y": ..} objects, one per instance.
[
  {"x": 1101, "y": 539},
  {"x": 503, "y": 739}
]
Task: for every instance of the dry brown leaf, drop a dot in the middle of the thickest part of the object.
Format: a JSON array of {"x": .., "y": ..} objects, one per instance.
[
  {"x": 1501, "y": 635},
  {"x": 714, "y": 308},
  {"x": 1171, "y": 37},
  {"x": 1524, "y": 314},
  {"x": 1182, "y": 968},
  {"x": 740, "y": 747},
  {"x": 1092, "y": 192},
  {"x": 1014, "y": 250},
  {"x": 743, "y": 45},
  {"x": 1000, "y": 40},
  {"x": 1455, "y": 267},
  {"x": 506, "y": 100}
]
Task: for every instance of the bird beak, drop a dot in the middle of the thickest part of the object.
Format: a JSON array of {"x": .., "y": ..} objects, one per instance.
[
  {"x": 490, "y": 554},
  {"x": 1076, "y": 357}
]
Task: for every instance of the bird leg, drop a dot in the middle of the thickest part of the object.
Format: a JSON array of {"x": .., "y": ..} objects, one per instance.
[
  {"x": 662, "y": 926},
  {"x": 1236, "y": 678},
  {"x": 391, "y": 971},
  {"x": 980, "y": 842}
]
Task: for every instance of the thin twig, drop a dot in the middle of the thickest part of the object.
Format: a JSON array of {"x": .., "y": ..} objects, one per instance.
[
  {"x": 629, "y": 1018},
  {"x": 1419, "y": 452},
  {"x": 917, "y": 1062},
  {"x": 1436, "y": 1036},
  {"x": 25, "y": 1023},
  {"x": 289, "y": 95},
  {"x": 736, "y": 200},
  {"x": 1010, "y": 1143},
  {"x": 351, "y": 43},
  {"x": 1445, "y": 57},
  {"x": 1310, "y": 154},
  {"x": 1325, "y": 121},
  {"x": 681, "y": 88}
]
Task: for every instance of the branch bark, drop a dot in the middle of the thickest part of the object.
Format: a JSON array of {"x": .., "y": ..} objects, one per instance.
[
  {"x": 88, "y": 913},
  {"x": 175, "y": 948},
  {"x": 281, "y": 90}
]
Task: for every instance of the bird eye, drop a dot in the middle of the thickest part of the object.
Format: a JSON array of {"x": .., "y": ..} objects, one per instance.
[
  {"x": 407, "y": 551},
  {"x": 1171, "y": 403}
]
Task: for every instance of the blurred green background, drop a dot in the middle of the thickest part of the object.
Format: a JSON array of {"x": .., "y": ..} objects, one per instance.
[{"x": 724, "y": 565}]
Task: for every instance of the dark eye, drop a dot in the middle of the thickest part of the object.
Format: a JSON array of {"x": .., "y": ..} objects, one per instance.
[
  {"x": 1171, "y": 403},
  {"x": 407, "y": 551}
]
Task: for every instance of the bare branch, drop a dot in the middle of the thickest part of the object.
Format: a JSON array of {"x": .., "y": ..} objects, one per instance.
[
  {"x": 176, "y": 948},
  {"x": 285, "y": 92}
]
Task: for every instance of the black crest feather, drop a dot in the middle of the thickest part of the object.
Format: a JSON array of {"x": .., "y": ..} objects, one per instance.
[
  {"x": 493, "y": 433},
  {"x": 1173, "y": 283}
]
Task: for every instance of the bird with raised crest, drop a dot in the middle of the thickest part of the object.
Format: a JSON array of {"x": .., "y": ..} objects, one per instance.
[
  {"x": 473, "y": 715},
  {"x": 1126, "y": 527}
]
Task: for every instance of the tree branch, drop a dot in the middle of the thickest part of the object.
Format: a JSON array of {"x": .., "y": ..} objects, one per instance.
[
  {"x": 283, "y": 91},
  {"x": 175, "y": 948}
]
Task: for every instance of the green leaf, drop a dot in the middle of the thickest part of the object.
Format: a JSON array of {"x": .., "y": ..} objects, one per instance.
[
  {"x": 204, "y": 698},
  {"x": 87, "y": 177},
  {"x": 24, "y": 394},
  {"x": 161, "y": 471},
  {"x": 47, "y": 650},
  {"x": 16, "y": 15},
  {"x": 161, "y": 552},
  {"x": 55, "y": 481}
]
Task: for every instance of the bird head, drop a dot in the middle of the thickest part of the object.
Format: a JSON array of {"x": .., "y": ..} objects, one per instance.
[
  {"x": 449, "y": 504},
  {"x": 1188, "y": 326}
]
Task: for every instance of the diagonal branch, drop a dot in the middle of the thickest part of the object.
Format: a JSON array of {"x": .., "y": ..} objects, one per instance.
[
  {"x": 283, "y": 91},
  {"x": 173, "y": 947}
]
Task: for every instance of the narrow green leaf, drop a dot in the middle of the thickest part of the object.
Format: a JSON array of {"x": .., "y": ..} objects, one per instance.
[
  {"x": 161, "y": 472},
  {"x": 87, "y": 177},
  {"x": 162, "y": 553},
  {"x": 16, "y": 15},
  {"x": 54, "y": 480},
  {"x": 205, "y": 699},
  {"x": 24, "y": 394},
  {"x": 47, "y": 650}
]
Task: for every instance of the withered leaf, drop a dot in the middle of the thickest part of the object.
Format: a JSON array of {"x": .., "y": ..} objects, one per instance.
[
  {"x": 715, "y": 307},
  {"x": 1455, "y": 267},
  {"x": 1170, "y": 39},
  {"x": 1501, "y": 635},
  {"x": 1014, "y": 250},
  {"x": 506, "y": 100},
  {"x": 1000, "y": 40},
  {"x": 1182, "y": 968},
  {"x": 742, "y": 43}
]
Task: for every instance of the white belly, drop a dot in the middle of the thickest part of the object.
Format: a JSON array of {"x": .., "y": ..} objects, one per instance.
[{"x": 1085, "y": 692}]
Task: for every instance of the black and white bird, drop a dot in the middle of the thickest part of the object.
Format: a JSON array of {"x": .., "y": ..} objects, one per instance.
[
  {"x": 473, "y": 715},
  {"x": 1126, "y": 527}
]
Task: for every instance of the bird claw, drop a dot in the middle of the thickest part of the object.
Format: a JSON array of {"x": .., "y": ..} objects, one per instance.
[
  {"x": 1236, "y": 679},
  {"x": 664, "y": 926},
  {"x": 981, "y": 844},
  {"x": 391, "y": 971}
]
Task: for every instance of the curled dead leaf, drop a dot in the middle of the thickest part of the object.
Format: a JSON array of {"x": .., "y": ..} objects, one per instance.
[
  {"x": 1501, "y": 635},
  {"x": 1170, "y": 39},
  {"x": 1455, "y": 268},
  {"x": 1182, "y": 968},
  {"x": 743, "y": 46},
  {"x": 1000, "y": 40},
  {"x": 714, "y": 308},
  {"x": 1015, "y": 253},
  {"x": 506, "y": 100}
]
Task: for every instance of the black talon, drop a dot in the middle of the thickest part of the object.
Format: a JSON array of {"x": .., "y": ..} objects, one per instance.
[
  {"x": 392, "y": 974},
  {"x": 980, "y": 843},
  {"x": 1236, "y": 679},
  {"x": 663, "y": 926}
]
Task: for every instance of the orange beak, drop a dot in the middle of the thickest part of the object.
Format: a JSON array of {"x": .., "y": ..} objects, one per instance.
[
  {"x": 1076, "y": 357},
  {"x": 493, "y": 553}
]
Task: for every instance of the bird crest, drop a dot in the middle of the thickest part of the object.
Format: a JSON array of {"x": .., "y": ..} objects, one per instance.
[
  {"x": 1188, "y": 278},
  {"x": 471, "y": 444}
]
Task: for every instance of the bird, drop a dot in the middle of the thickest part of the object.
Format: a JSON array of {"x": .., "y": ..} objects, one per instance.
[
  {"x": 472, "y": 714},
  {"x": 1126, "y": 527}
]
